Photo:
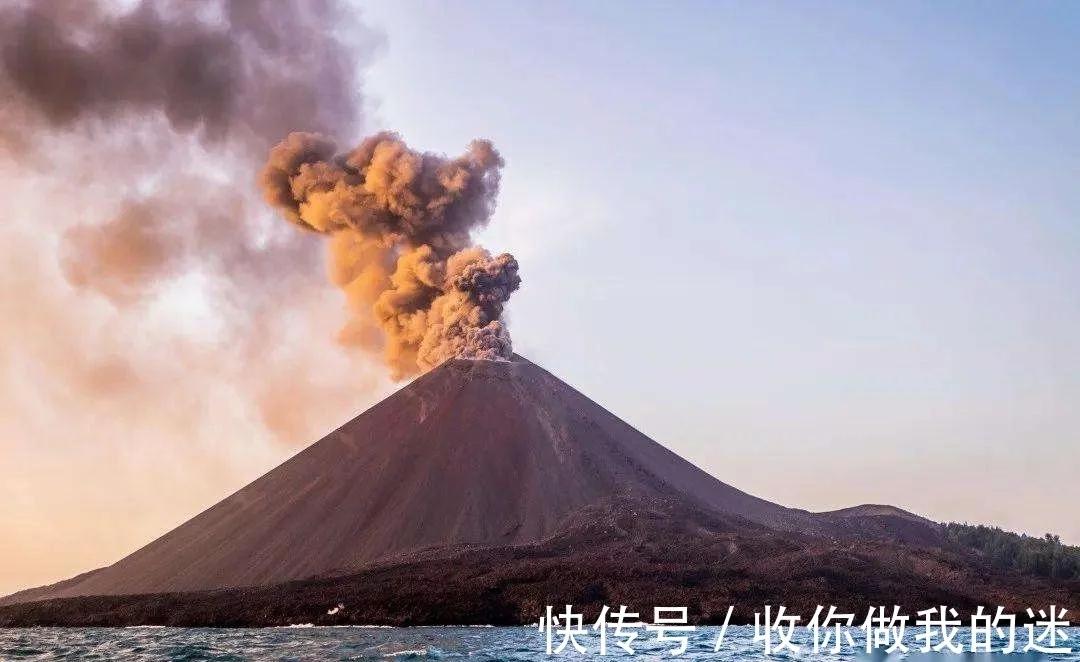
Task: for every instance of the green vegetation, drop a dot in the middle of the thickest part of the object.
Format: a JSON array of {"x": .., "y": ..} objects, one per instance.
[{"x": 1041, "y": 557}]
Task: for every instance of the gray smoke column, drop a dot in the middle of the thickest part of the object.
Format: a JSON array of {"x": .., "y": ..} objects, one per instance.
[
  {"x": 400, "y": 224},
  {"x": 218, "y": 67},
  {"x": 129, "y": 134},
  {"x": 165, "y": 84}
]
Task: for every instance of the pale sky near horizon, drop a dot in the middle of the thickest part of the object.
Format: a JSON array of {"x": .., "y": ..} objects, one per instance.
[{"x": 829, "y": 253}]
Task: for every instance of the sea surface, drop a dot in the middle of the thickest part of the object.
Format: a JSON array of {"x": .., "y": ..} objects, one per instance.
[{"x": 421, "y": 643}]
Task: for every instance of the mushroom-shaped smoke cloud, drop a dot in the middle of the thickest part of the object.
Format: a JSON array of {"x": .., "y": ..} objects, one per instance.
[{"x": 400, "y": 224}]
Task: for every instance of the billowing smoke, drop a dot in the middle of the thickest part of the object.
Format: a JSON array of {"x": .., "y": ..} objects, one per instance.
[
  {"x": 129, "y": 135},
  {"x": 400, "y": 224},
  {"x": 172, "y": 103},
  {"x": 223, "y": 68},
  {"x": 175, "y": 103}
]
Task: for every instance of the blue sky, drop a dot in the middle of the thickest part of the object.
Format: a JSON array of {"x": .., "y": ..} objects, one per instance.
[{"x": 829, "y": 252}]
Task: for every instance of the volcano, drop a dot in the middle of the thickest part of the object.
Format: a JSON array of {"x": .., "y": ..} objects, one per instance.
[
  {"x": 473, "y": 453},
  {"x": 479, "y": 464}
]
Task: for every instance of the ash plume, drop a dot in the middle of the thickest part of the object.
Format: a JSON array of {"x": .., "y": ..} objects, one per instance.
[
  {"x": 152, "y": 90},
  {"x": 400, "y": 223},
  {"x": 129, "y": 132},
  {"x": 215, "y": 67}
]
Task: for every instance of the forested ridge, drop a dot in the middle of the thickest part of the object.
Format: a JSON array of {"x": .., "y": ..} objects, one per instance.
[{"x": 1041, "y": 557}]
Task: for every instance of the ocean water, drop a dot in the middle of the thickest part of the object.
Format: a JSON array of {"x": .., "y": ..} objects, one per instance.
[{"x": 422, "y": 643}]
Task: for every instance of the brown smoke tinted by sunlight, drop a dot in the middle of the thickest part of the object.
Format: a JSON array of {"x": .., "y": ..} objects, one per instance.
[{"x": 399, "y": 223}]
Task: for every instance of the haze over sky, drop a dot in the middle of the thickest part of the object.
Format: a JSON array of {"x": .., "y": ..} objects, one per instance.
[{"x": 829, "y": 253}]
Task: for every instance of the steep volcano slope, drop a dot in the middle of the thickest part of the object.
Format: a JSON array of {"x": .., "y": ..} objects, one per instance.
[{"x": 473, "y": 453}]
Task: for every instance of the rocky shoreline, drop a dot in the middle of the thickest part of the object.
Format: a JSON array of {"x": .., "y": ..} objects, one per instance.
[{"x": 623, "y": 554}]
